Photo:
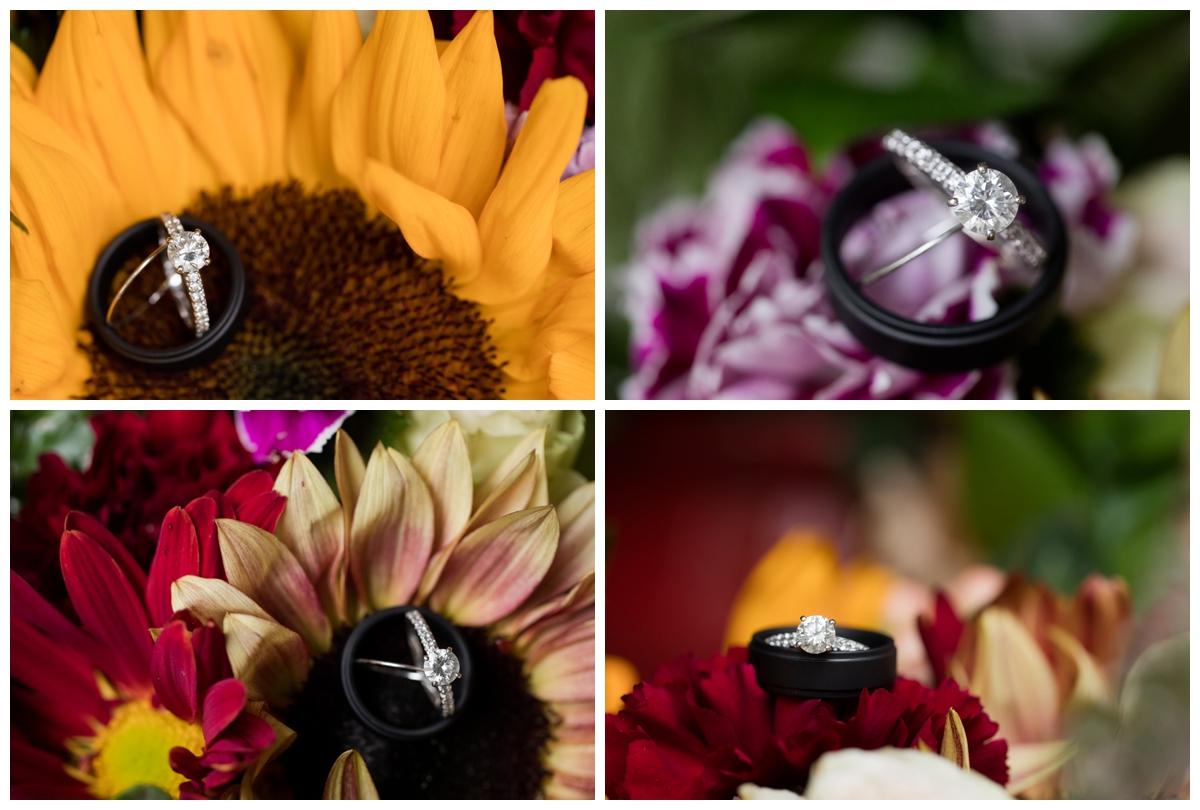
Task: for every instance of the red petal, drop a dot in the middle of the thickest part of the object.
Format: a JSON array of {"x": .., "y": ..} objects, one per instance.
[
  {"x": 191, "y": 790},
  {"x": 178, "y": 555},
  {"x": 63, "y": 675},
  {"x": 80, "y": 521},
  {"x": 34, "y": 768},
  {"x": 108, "y": 607},
  {"x": 941, "y": 636},
  {"x": 212, "y": 662},
  {"x": 173, "y": 668},
  {"x": 204, "y": 514},
  {"x": 28, "y": 605},
  {"x": 222, "y": 705},
  {"x": 185, "y": 763},
  {"x": 225, "y": 508},
  {"x": 262, "y": 510},
  {"x": 541, "y": 68},
  {"x": 253, "y": 483},
  {"x": 246, "y": 735}
]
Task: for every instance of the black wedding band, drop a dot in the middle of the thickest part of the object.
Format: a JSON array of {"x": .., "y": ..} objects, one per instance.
[
  {"x": 381, "y": 636},
  {"x": 828, "y": 676},
  {"x": 943, "y": 348},
  {"x": 194, "y": 352}
]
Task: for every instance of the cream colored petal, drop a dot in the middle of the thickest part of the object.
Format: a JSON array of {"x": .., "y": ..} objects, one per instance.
[
  {"x": 392, "y": 533},
  {"x": 534, "y": 613},
  {"x": 263, "y": 568},
  {"x": 567, "y": 672},
  {"x": 1030, "y": 764},
  {"x": 954, "y": 741},
  {"x": 312, "y": 526},
  {"x": 894, "y": 773},
  {"x": 1013, "y": 679},
  {"x": 209, "y": 600},
  {"x": 516, "y": 226},
  {"x": 514, "y": 493},
  {"x": 22, "y": 75},
  {"x": 349, "y": 470},
  {"x": 1090, "y": 687},
  {"x": 475, "y": 130},
  {"x": 444, "y": 464},
  {"x": 534, "y": 441},
  {"x": 496, "y": 567},
  {"x": 268, "y": 658},
  {"x": 576, "y": 556},
  {"x": 572, "y": 761},
  {"x": 334, "y": 42},
  {"x": 350, "y": 779},
  {"x": 95, "y": 85},
  {"x": 227, "y": 75}
]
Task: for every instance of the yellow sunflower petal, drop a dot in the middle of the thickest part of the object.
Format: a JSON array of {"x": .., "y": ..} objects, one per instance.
[
  {"x": 46, "y": 362},
  {"x": 94, "y": 84},
  {"x": 227, "y": 75},
  {"x": 433, "y": 226},
  {"x": 158, "y": 27},
  {"x": 334, "y": 43},
  {"x": 575, "y": 222},
  {"x": 573, "y": 370},
  {"x": 475, "y": 129},
  {"x": 516, "y": 226},
  {"x": 22, "y": 75},
  {"x": 297, "y": 27}
]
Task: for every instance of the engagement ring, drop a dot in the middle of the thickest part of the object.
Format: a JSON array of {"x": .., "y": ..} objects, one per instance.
[
  {"x": 816, "y": 635},
  {"x": 186, "y": 253}
]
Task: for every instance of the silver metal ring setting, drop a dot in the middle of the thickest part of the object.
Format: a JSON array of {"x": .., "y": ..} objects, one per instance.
[
  {"x": 816, "y": 635},
  {"x": 187, "y": 252}
]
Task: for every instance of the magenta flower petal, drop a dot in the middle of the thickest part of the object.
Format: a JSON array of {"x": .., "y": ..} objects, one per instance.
[
  {"x": 178, "y": 555},
  {"x": 247, "y": 734},
  {"x": 173, "y": 669},
  {"x": 269, "y": 434},
  {"x": 108, "y": 607},
  {"x": 204, "y": 513},
  {"x": 222, "y": 705}
]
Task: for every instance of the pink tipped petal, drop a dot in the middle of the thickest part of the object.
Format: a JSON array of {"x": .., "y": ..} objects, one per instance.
[
  {"x": 567, "y": 672},
  {"x": 109, "y": 609},
  {"x": 82, "y": 522},
  {"x": 178, "y": 555},
  {"x": 525, "y": 621},
  {"x": 392, "y": 533},
  {"x": 443, "y": 462},
  {"x": 576, "y": 555},
  {"x": 222, "y": 704},
  {"x": 204, "y": 513},
  {"x": 311, "y": 526},
  {"x": 350, "y": 779},
  {"x": 271, "y": 660},
  {"x": 173, "y": 668},
  {"x": 535, "y": 441},
  {"x": 496, "y": 567},
  {"x": 1013, "y": 679},
  {"x": 262, "y": 568}
]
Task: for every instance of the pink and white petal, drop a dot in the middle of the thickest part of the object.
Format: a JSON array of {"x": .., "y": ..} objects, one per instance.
[
  {"x": 566, "y": 673},
  {"x": 312, "y": 525},
  {"x": 496, "y": 567},
  {"x": 514, "y": 494},
  {"x": 444, "y": 463},
  {"x": 533, "y": 441},
  {"x": 576, "y": 554},
  {"x": 178, "y": 555},
  {"x": 222, "y": 705},
  {"x": 267, "y": 434},
  {"x": 173, "y": 670},
  {"x": 109, "y": 609},
  {"x": 525, "y": 623},
  {"x": 271, "y": 660},
  {"x": 572, "y": 760},
  {"x": 264, "y": 569}
]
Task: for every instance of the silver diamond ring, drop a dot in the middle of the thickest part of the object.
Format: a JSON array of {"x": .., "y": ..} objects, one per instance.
[
  {"x": 816, "y": 635},
  {"x": 186, "y": 252},
  {"x": 439, "y": 669},
  {"x": 984, "y": 201}
]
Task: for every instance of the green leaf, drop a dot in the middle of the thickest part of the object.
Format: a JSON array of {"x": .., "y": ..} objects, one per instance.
[
  {"x": 143, "y": 792},
  {"x": 13, "y": 219}
]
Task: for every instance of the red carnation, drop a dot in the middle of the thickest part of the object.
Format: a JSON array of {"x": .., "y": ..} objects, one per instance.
[
  {"x": 698, "y": 729},
  {"x": 141, "y": 466}
]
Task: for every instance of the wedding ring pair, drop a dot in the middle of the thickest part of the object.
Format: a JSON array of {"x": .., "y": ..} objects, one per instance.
[{"x": 439, "y": 670}]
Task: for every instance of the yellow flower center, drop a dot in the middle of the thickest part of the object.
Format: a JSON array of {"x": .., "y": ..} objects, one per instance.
[{"x": 135, "y": 747}]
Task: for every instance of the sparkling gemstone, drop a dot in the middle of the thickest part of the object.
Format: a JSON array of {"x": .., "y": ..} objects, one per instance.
[
  {"x": 441, "y": 668},
  {"x": 188, "y": 252},
  {"x": 816, "y": 634},
  {"x": 987, "y": 202}
]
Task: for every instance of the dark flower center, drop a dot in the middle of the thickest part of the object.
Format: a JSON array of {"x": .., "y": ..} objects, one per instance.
[
  {"x": 340, "y": 308},
  {"x": 494, "y": 751}
]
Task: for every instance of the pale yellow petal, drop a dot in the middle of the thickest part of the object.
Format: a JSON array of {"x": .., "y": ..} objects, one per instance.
[
  {"x": 334, "y": 43},
  {"x": 533, "y": 441},
  {"x": 271, "y": 660},
  {"x": 444, "y": 464},
  {"x": 22, "y": 75},
  {"x": 516, "y": 226},
  {"x": 475, "y": 128},
  {"x": 209, "y": 600},
  {"x": 433, "y": 226},
  {"x": 227, "y": 75},
  {"x": 95, "y": 85}
]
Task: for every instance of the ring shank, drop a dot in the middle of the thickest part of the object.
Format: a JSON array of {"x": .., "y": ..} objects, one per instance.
[{"x": 795, "y": 673}]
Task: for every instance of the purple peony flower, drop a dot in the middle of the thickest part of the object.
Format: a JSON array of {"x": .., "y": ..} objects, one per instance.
[
  {"x": 269, "y": 434},
  {"x": 727, "y": 300}
]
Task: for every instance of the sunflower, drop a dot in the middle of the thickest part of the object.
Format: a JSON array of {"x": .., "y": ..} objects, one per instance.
[
  {"x": 116, "y": 129},
  {"x": 99, "y": 709}
]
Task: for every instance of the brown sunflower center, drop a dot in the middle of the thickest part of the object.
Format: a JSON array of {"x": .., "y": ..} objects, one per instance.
[
  {"x": 494, "y": 751},
  {"x": 340, "y": 308}
]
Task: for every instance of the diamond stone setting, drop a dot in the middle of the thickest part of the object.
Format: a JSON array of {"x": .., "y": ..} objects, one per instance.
[
  {"x": 442, "y": 667},
  {"x": 987, "y": 202},
  {"x": 816, "y": 634},
  {"x": 187, "y": 252}
]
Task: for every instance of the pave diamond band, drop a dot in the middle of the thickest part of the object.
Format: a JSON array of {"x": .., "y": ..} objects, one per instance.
[
  {"x": 817, "y": 635},
  {"x": 441, "y": 665},
  {"x": 187, "y": 253},
  {"x": 985, "y": 201}
]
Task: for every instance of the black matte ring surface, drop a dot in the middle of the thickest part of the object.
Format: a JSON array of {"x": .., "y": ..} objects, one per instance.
[
  {"x": 831, "y": 675},
  {"x": 193, "y": 353},
  {"x": 943, "y": 348},
  {"x": 445, "y": 633}
]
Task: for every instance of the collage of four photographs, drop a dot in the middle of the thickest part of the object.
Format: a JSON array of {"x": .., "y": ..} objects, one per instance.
[{"x": 415, "y": 593}]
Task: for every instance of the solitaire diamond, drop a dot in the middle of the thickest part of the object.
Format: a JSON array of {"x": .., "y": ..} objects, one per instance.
[
  {"x": 987, "y": 202},
  {"x": 816, "y": 634},
  {"x": 188, "y": 252},
  {"x": 441, "y": 668}
]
